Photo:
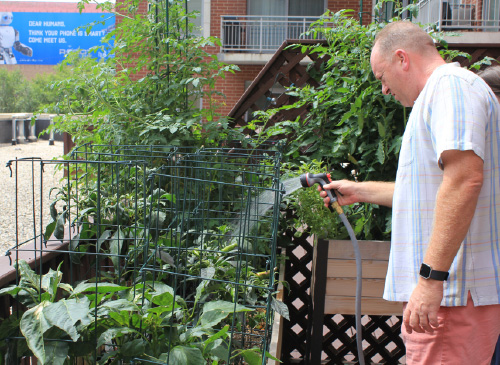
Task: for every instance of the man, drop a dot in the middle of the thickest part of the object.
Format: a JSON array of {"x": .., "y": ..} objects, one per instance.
[{"x": 445, "y": 254}]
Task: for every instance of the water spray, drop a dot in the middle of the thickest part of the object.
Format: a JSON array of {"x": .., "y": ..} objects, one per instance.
[{"x": 307, "y": 180}]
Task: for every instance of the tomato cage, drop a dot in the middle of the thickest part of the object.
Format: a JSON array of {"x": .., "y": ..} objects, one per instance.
[{"x": 147, "y": 254}]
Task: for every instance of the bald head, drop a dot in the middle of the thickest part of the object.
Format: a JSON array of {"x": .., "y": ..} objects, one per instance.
[
  {"x": 404, "y": 35},
  {"x": 403, "y": 58}
]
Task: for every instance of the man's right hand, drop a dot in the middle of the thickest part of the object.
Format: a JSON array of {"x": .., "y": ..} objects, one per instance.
[
  {"x": 344, "y": 189},
  {"x": 350, "y": 192}
]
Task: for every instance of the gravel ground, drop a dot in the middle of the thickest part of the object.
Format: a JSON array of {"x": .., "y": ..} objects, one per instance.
[{"x": 28, "y": 190}]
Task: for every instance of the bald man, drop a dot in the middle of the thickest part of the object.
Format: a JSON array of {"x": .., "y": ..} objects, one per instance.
[{"x": 445, "y": 249}]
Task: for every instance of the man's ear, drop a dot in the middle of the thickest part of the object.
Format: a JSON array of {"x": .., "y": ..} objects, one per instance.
[{"x": 402, "y": 58}]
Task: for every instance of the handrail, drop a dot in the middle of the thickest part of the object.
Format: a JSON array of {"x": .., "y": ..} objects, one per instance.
[
  {"x": 460, "y": 15},
  {"x": 262, "y": 33}
]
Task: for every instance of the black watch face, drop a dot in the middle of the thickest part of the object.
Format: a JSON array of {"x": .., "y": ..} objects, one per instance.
[{"x": 425, "y": 271}]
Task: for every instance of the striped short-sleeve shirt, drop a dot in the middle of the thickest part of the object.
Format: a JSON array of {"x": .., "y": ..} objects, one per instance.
[{"x": 455, "y": 111}]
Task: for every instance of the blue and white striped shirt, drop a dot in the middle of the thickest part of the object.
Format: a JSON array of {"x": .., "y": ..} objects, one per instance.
[{"x": 455, "y": 111}]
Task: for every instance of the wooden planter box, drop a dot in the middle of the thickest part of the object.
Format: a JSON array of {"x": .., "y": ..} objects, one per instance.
[
  {"x": 334, "y": 277},
  {"x": 333, "y": 284}
]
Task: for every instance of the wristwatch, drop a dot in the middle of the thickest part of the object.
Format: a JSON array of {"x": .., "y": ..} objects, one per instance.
[{"x": 428, "y": 273}]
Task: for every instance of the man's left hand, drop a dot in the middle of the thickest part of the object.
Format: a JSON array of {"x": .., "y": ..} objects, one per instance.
[{"x": 421, "y": 311}]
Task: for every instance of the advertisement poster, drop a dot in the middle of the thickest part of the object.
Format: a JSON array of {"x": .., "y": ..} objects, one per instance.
[{"x": 45, "y": 38}]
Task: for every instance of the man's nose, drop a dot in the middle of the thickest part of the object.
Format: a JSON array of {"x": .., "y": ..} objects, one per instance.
[{"x": 385, "y": 90}]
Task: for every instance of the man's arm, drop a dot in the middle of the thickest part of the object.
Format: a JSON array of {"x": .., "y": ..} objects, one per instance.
[
  {"x": 350, "y": 192},
  {"x": 455, "y": 205}
]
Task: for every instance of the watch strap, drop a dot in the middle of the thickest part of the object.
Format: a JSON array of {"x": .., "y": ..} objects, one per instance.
[{"x": 428, "y": 272}]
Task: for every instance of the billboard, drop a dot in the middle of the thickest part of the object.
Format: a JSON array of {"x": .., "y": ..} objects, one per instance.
[{"x": 50, "y": 36}]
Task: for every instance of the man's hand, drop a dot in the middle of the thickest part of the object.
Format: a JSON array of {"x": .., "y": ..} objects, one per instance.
[
  {"x": 350, "y": 192},
  {"x": 344, "y": 189},
  {"x": 420, "y": 314}
]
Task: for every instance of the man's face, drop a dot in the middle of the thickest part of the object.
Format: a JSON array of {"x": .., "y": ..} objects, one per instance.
[{"x": 388, "y": 70}]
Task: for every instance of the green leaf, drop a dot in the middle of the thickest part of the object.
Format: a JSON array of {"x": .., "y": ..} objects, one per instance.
[
  {"x": 183, "y": 355},
  {"x": 381, "y": 129},
  {"x": 49, "y": 230},
  {"x": 252, "y": 357},
  {"x": 121, "y": 305},
  {"x": 104, "y": 236},
  {"x": 361, "y": 120},
  {"x": 65, "y": 313},
  {"x": 53, "y": 210},
  {"x": 280, "y": 308},
  {"x": 59, "y": 228},
  {"x": 133, "y": 348},
  {"x": 97, "y": 288},
  {"x": 380, "y": 154},
  {"x": 115, "y": 247},
  {"x": 33, "y": 325},
  {"x": 164, "y": 299},
  {"x": 110, "y": 334},
  {"x": 216, "y": 336},
  {"x": 28, "y": 277},
  {"x": 359, "y": 101},
  {"x": 56, "y": 352},
  {"x": 51, "y": 280},
  {"x": 214, "y": 312},
  {"x": 12, "y": 290}
]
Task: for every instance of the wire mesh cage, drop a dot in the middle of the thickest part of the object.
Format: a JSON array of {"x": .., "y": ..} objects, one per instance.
[{"x": 147, "y": 254}]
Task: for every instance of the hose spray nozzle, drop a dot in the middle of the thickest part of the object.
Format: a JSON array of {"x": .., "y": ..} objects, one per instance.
[{"x": 307, "y": 180}]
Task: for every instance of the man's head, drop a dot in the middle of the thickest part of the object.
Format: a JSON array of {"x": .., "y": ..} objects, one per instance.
[{"x": 403, "y": 57}]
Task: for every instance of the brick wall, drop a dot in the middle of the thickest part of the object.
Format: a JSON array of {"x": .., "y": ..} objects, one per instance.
[
  {"x": 224, "y": 7},
  {"x": 30, "y": 71},
  {"x": 233, "y": 86},
  {"x": 335, "y": 6},
  {"x": 45, "y": 7}
]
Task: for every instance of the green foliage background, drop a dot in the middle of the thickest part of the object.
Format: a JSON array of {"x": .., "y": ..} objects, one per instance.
[
  {"x": 352, "y": 129},
  {"x": 112, "y": 101},
  {"x": 20, "y": 95}
]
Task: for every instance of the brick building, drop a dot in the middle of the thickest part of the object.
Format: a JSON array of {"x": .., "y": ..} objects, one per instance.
[{"x": 252, "y": 30}]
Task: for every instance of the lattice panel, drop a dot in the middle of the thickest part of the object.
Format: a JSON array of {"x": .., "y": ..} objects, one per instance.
[
  {"x": 381, "y": 339},
  {"x": 381, "y": 334}
]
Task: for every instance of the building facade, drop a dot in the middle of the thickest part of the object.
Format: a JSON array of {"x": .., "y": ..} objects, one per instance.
[{"x": 252, "y": 30}]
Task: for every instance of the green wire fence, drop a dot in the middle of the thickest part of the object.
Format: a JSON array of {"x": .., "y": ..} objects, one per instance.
[{"x": 147, "y": 254}]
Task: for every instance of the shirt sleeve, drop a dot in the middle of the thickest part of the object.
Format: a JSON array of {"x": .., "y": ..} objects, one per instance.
[{"x": 458, "y": 115}]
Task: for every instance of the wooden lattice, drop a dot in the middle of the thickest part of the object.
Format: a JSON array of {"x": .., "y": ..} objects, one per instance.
[{"x": 381, "y": 334}]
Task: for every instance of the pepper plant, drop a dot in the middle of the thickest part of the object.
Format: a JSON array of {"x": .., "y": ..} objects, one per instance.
[{"x": 145, "y": 322}]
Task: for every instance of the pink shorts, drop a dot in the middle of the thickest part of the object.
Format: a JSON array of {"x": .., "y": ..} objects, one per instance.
[{"x": 465, "y": 335}]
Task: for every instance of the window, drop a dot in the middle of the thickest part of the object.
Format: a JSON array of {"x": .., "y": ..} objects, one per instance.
[
  {"x": 286, "y": 7},
  {"x": 271, "y": 22},
  {"x": 196, "y": 5}
]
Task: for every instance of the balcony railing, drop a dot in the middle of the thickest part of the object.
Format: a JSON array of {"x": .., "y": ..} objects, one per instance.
[
  {"x": 261, "y": 34},
  {"x": 460, "y": 15}
]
